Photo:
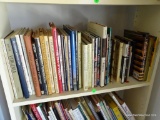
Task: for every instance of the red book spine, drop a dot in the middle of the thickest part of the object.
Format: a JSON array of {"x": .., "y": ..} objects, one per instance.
[
  {"x": 55, "y": 40},
  {"x": 35, "y": 111}
]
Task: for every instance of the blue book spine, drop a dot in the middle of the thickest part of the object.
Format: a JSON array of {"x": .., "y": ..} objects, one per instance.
[
  {"x": 20, "y": 68},
  {"x": 73, "y": 55}
]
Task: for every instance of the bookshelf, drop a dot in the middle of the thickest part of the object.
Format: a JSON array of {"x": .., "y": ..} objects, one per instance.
[{"x": 143, "y": 18}]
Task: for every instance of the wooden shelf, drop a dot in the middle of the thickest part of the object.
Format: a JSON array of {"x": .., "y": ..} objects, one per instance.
[
  {"x": 72, "y": 94},
  {"x": 89, "y": 2}
]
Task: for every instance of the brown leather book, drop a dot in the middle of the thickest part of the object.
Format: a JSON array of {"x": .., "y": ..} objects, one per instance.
[{"x": 29, "y": 49}]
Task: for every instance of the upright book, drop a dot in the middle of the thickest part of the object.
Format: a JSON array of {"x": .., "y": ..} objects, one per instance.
[{"x": 29, "y": 49}]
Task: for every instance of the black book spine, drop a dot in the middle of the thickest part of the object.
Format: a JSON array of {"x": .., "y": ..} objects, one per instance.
[
  {"x": 98, "y": 61},
  {"x": 41, "y": 66}
]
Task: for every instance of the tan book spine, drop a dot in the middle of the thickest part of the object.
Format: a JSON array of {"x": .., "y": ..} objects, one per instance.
[
  {"x": 49, "y": 63},
  {"x": 53, "y": 62},
  {"x": 89, "y": 65},
  {"x": 79, "y": 59},
  {"x": 45, "y": 61},
  {"x": 28, "y": 43}
]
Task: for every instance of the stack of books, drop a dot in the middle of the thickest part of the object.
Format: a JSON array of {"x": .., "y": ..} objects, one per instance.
[
  {"x": 97, "y": 107},
  {"x": 47, "y": 61}
]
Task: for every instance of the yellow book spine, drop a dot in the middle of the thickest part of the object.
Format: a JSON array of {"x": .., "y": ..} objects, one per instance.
[{"x": 46, "y": 69}]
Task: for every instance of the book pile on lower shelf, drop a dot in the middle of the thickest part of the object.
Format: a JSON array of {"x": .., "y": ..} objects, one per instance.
[
  {"x": 96, "y": 107},
  {"x": 48, "y": 61}
]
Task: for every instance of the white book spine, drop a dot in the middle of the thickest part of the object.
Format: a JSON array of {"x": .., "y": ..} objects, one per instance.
[
  {"x": 72, "y": 115},
  {"x": 78, "y": 114},
  {"x": 107, "y": 110},
  {"x": 53, "y": 113},
  {"x": 61, "y": 64},
  {"x": 103, "y": 62},
  {"x": 50, "y": 115},
  {"x": 49, "y": 63},
  {"x": 89, "y": 65},
  {"x": 103, "y": 114},
  {"x": 79, "y": 59},
  {"x": 27, "y": 63},
  {"x": 9, "y": 69},
  {"x": 53, "y": 64},
  {"x": 24, "y": 65},
  {"x": 128, "y": 112},
  {"x": 85, "y": 67},
  {"x": 93, "y": 45},
  {"x": 41, "y": 113}
]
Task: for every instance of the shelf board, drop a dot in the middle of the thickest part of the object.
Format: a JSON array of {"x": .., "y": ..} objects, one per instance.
[
  {"x": 72, "y": 94},
  {"x": 88, "y": 2}
]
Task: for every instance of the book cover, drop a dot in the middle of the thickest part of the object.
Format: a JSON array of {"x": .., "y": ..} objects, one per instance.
[
  {"x": 23, "y": 61},
  {"x": 53, "y": 61},
  {"x": 40, "y": 61},
  {"x": 29, "y": 49},
  {"x": 55, "y": 42},
  {"x": 26, "y": 58},
  {"x": 15, "y": 80},
  {"x": 19, "y": 66},
  {"x": 73, "y": 55},
  {"x": 35, "y": 111}
]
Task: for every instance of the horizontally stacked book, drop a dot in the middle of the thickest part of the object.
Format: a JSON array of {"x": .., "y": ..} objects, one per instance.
[
  {"x": 52, "y": 61},
  {"x": 96, "y": 107}
]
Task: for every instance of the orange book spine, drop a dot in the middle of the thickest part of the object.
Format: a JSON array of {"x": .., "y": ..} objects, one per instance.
[{"x": 29, "y": 49}]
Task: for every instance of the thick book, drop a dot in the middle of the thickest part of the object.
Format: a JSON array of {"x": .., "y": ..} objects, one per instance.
[
  {"x": 116, "y": 60},
  {"x": 28, "y": 81},
  {"x": 53, "y": 61},
  {"x": 40, "y": 61},
  {"x": 29, "y": 49},
  {"x": 26, "y": 58},
  {"x": 85, "y": 72},
  {"x": 44, "y": 47},
  {"x": 19, "y": 66},
  {"x": 101, "y": 31},
  {"x": 15, "y": 80},
  {"x": 139, "y": 51},
  {"x": 55, "y": 42},
  {"x": 73, "y": 55}
]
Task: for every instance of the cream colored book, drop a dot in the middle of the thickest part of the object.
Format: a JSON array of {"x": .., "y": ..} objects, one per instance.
[
  {"x": 53, "y": 62},
  {"x": 45, "y": 61},
  {"x": 84, "y": 64},
  {"x": 49, "y": 60},
  {"x": 79, "y": 59}
]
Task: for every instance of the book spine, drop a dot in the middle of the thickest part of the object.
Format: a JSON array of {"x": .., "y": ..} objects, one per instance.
[
  {"x": 49, "y": 64},
  {"x": 98, "y": 61},
  {"x": 53, "y": 64},
  {"x": 15, "y": 81},
  {"x": 103, "y": 113},
  {"x": 73, "y": 60},
  {"x": 50, "y": 116},
  {"x": 37, "y": 66},
  {"x": 23, "y": 64},
  {"x": 85, "y": 67},
  {"x": 76, "y": 55},
  {"x": 107, "y": 110},
  {"x": 19, "y": 68},
  {"x": 41, "y": 113},
  {"x": 54, "y": 116},
  {"x": 89, "y": 65},
  {"x": 82, "y": 110},
  {"x": 79, "y": 59},
  {"x": 55, "y": 41},
  {"x": 95, "y": 61},
  {"x": 70, "y": 64},
  {"x": 32, "y": 65},
  {"x": 59, "y": 111},
  {"x": 93, "y": 111},
  {"x": 27, "y": 63},
  {"x": 40, "y": 61},
  {"x": 103, "y": 61},
  {"x": 35, "y": 111},
  {"x": 66, "y": 52},
  {"x": 71, "y": 114},
  {"x": 61, "y": 61},
  {"x": 78, "y": 114},
  {"x": 45, "y": 63},
  {"x": 104, "y": 110}
]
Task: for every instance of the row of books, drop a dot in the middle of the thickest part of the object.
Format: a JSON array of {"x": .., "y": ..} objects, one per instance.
[
  {"x": 56, "y": 60},
  {"x": 96, "y": 107}
]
